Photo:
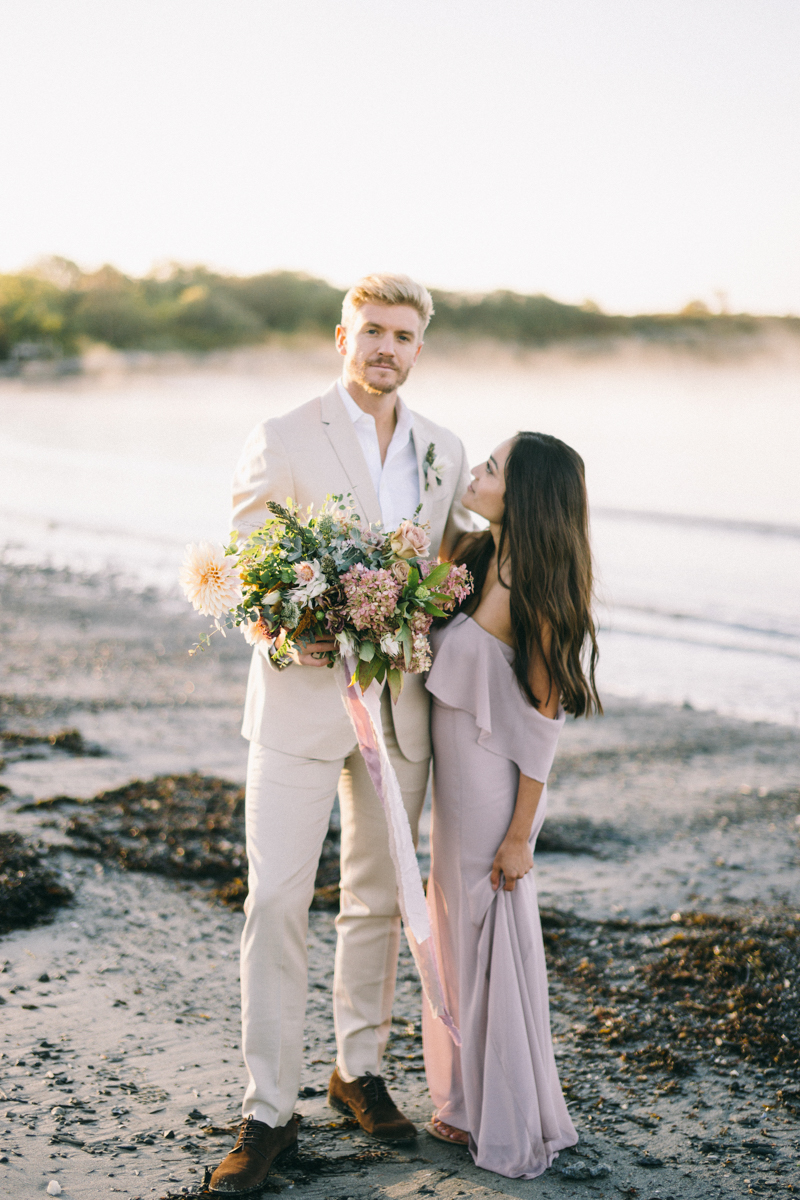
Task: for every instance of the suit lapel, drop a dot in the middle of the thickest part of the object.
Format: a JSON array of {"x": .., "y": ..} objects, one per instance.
[
  {"x": 421, "y": 442},
  {"x": 342, "y": 436}
]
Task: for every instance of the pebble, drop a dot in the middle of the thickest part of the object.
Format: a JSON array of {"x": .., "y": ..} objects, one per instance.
[{"x": 54, "y": 1188}]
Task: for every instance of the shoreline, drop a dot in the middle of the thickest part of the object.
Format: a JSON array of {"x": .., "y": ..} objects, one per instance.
[
  {"x": 654, "y": 811},
  {"x": 316, "y": 352}
]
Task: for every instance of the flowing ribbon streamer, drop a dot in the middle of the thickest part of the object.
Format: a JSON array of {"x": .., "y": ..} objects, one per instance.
[{"x": 365, "y": 713}]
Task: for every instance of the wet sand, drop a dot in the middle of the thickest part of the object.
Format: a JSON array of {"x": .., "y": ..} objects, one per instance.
[{"x": 121, "y": 1071}]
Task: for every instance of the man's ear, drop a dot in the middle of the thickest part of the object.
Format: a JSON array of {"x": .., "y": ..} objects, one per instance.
[
  {"x": 418, "y": 352},
  {"x": 341, "y": 339}
]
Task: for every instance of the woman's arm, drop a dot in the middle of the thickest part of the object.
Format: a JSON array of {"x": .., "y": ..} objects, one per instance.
[
  {"x": 514, "y": 858},
  {"x": 539, "y": 677}
]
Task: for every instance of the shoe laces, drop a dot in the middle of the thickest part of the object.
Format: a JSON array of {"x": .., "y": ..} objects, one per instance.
[
  {"x": 250, "y": 1130},
  {"x": 375, "y": 1089}
]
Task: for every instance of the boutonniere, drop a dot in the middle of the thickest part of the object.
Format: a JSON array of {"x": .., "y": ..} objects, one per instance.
[{"x": 434, "y": 466}]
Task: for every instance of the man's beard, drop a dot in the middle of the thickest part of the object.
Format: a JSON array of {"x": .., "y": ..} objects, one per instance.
[{"x": 378, "y": 389}]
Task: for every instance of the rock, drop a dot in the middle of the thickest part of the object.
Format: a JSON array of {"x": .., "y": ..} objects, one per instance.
[
  {"x": 758, "y": 1147},
  {"x": 649, "y": 1160},
  {"x": 54, "y": 1188},
  {"x": 581, "y": 1170}
]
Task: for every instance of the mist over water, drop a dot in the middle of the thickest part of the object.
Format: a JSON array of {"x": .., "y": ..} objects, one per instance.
[{"x": 691, "y": 467}]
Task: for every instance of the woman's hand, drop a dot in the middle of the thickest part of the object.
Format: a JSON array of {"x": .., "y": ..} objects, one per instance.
[
  {"x": 316, "y": 655},
  {"x": 513, "y": 860}
]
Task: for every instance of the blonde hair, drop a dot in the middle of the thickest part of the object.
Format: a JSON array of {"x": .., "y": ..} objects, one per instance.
[{"x": 388, "y": 289}]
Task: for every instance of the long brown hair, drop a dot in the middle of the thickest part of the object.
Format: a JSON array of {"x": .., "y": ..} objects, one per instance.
[{"x": 545, "y": 538}]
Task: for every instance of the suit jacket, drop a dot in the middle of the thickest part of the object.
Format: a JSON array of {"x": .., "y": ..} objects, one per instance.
[{"x": 307, "y": 454}]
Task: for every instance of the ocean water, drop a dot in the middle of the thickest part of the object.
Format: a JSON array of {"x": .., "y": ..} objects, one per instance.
[{"x": 693, "y": 469}]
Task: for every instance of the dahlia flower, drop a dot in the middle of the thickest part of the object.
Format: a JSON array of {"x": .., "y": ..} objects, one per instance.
[
  {"x": 257, "y": 631},
  {"x": 210, "y": 580}
]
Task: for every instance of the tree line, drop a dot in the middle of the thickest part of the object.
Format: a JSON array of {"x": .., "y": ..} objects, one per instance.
[{"x": 56, "y": 309}]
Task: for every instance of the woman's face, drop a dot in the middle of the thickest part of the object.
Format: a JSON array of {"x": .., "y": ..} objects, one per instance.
[{"x": 486, "y": 495}]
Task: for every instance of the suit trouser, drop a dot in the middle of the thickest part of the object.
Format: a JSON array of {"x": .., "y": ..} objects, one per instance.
[{"x": 288, "y": 806}]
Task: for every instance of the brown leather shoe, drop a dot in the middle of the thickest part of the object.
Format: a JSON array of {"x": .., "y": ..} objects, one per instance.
[
  {"x": 258, "y": 1148},
  {"x": 367, "y": 1099}
]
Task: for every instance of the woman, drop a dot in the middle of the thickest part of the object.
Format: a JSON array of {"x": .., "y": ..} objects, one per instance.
[{"x": 506, "y": 669}]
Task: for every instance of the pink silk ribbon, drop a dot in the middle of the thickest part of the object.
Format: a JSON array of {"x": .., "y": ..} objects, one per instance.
[{"x": 365, "y": 713}]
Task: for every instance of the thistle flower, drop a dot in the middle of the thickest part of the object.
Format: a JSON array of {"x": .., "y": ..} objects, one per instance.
[
  {"x": 390, "y": 644},
  {"x": 311, "y": 582},
  {"x": 209, "y": 579},
  {"x": 347, "y": 643}
]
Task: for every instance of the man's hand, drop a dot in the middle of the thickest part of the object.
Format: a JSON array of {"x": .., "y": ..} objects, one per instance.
[
  {"x": 513, "y": 860},
  {"x": 316, "y": 655}
]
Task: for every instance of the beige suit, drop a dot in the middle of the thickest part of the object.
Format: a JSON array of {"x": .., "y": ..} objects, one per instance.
[{"x": 302, "y": 747}]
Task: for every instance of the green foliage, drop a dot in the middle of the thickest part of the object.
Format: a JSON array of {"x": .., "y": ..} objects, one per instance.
[
  {"x": 59, "y": 308},
  {"x": 32, "y": 310}
]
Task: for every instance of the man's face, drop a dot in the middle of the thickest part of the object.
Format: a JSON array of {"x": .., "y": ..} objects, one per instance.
[{"x": 380, "y": 346}]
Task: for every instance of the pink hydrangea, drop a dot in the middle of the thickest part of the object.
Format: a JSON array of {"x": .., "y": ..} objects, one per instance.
[
  {"x": 420, "y": 654},
  {"x": 420, "y": 621},
  {"x": 371, "y": 597},
  {"x": 458, "y": 584}
]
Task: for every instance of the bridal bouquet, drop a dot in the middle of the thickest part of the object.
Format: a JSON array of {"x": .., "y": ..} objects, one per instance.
[{"x": 304, "y": 576}]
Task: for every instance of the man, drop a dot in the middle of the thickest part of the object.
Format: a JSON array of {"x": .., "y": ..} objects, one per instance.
[{"x": 358, "y": 438}]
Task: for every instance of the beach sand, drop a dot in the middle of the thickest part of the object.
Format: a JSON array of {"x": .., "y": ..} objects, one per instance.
[{"x": 121, "y": 1072}]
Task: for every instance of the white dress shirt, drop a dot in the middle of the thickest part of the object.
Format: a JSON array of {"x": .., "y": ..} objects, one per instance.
[{"x": 396, "y": 481}]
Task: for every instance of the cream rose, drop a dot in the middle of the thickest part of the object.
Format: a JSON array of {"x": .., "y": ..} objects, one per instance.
[{"x": 409, "y": 541}]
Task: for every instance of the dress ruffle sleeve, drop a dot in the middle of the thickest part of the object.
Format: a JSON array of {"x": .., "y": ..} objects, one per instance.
[{"x": 474, "y": 672}]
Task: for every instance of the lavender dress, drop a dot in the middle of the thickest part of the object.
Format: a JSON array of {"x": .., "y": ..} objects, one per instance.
[{"x": 502, "y": 1085}]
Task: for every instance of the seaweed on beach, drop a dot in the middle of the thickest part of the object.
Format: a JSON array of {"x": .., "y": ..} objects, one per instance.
[
  {"x": 25, "y": 746},
  {"x": 29, "y": 889},
  {"x": 714, "y": 985},
  {"x": 183, "y": 826}
]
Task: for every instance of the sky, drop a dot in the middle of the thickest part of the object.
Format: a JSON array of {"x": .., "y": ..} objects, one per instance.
[{"x": 637, "y": 153}]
